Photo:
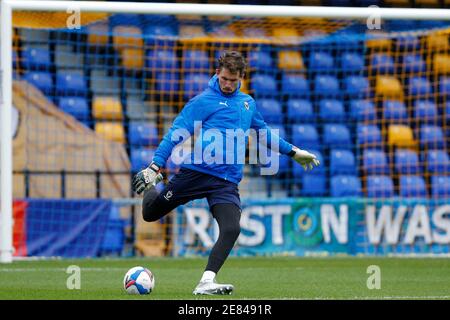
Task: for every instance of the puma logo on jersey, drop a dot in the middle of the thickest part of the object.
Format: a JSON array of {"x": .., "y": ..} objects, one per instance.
[
  {"x": 224, "y": 103},
  {"x": 168, "y": 195}
]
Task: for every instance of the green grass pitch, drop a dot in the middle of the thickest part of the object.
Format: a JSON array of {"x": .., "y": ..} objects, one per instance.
[{"x": 253, "y": 278}]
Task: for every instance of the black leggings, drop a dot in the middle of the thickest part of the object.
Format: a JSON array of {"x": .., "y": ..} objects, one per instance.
[{"x": 227, "y": 215}]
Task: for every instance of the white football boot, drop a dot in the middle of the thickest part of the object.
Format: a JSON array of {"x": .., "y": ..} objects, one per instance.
[{"x": 211, "y": 287}]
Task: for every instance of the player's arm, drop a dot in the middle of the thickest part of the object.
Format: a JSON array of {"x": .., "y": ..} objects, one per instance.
[
  {"x": 306, "y": 159},
  {"x": 183, "y": 123}
]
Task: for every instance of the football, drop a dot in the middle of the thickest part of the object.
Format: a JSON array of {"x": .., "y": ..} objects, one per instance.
[{"x": 139, "y": 280}]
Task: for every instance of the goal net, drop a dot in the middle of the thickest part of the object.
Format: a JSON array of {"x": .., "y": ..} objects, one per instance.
[{"x": 93, "y": 94}]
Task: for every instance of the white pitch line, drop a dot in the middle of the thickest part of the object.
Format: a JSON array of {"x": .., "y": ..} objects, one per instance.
[{"x": 58, "y": 269}]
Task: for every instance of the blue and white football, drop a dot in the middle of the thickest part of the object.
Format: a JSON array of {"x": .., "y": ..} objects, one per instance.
[{"x": 139, "y": 280}]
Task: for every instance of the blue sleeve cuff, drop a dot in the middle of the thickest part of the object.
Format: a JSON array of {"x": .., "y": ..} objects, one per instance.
[{"x": 159, "y": 161}]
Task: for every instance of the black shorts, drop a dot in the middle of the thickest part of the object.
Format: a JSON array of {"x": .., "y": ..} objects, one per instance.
[{"x": 189, "y": 185}]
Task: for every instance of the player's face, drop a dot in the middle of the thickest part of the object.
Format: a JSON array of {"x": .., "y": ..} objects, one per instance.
[{"x": 228, "y": 81}]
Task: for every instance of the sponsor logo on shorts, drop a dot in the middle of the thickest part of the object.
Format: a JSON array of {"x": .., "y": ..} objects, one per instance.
[{"x": 168, "y": 195}]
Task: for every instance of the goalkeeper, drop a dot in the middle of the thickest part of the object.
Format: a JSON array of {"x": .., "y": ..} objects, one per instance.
[{"x": 221, "y": 106}]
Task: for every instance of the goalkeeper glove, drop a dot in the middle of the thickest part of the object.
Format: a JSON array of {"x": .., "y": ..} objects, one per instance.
[
  {"x": 305, "y": 158},
  {"x": 144, "y": 178}
]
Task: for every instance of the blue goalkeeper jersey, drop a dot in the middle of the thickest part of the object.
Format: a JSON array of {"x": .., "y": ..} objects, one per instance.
[{"x": 217, "y": 113}]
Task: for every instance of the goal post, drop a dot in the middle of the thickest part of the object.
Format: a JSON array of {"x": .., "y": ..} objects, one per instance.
[{"x": 8, "y": 7}]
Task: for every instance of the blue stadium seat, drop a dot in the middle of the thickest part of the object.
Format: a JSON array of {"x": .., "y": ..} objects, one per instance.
[
  {"x": 351, "y": 62},
  {"x": 382, "y": 63},
  {"x": 36, "y": 58},
  {"x": 368, "y": 135},
  {"x": 444, "y": 86},
  {"x": 419, "y": 86},
  {"x": 412, "y": 186},
  {"x": 314, "y": 185},
  {"x": 71, "y": 83},
  {"x": 366, "y": 3},
  {"x": 336, "y": 136},
  {"x": 331, "y": 110},
  {"x": 342, "y": 162},
  {"x": 264, "y": 85},
  {"x": 270, "y": 110},
  {"x": 142, "y": 134},
  {"x": 413, "y": 63},
  {"x": 159, "y": 19},
  {"x": 305, "y": 136},
  {"x": 125, "y": 19},
  {"x": 156, "y": 31},
  {"x": 195, "y": 61},
  {"x": 375, "y": 162},
  {"x": 437, "y": 161},
  {"x": 42, "y": 80},
  {"x": 298, "y": 170},
  {"x": 326, "y": 85},
  {"x": 283, "y": 161},
  {"x": 440, "y": 186},
  {"x": 76, "y": 106},
  {"x": 194, "y": 83},
  {"x": 407, "y": 161},
  {"x": 431, "y": 137},
  {"x": 167, "y": 82},
  {"x": 345, "y": 186},
  {"x": 300, "y": 110},
  {"x": 356, "y": 86},
  {"x": 294, "y": 85},
  {"x": 141, "y": 158},
  {"x": 261, "y": 61},
  {"x": 320, "y": 61},
  {"x": 408, "y": 42},
  {"x": 425, "y": 111},
  {"x": 161, "y": 59},
  {"x": 447, "y": 111},
  {"x": 394, "y": 111},
  {"x": 379, "y": 186},
  {"x": 280, "y": 128},
  {"x": 362, "y": 110}
]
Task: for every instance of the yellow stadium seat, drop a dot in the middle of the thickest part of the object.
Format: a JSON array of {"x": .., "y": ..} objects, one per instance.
[
  {"x": 398, "y": 3},
  {"x": 127, "y": 36},
  {"x": 437, "y": 42},
  {"x": 107, "y": 108},
  {"x": 442, "y": 64},
  {"x": 401, "y": 136},
  {"x": 132, "y": 58},
  {"x": 244, "y": 86},
  {"x": 113, "y": 131},
  {"x": 388, "y": 87},
  {"x": 290, "y": 60},
  {"x": 427, "y": 3},
  {"x": 220, "y": 18},
  {"x": 285, "y": 35},
  {"x": 379, "y": 44},
  {"x": 98, "y": 34}
]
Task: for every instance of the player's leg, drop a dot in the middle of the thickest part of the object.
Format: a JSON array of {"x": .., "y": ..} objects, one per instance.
[
  {"x": 152, "y": 207},
  {"x": 185, "y": 186},
  {"x": 228, "y": 217}
]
